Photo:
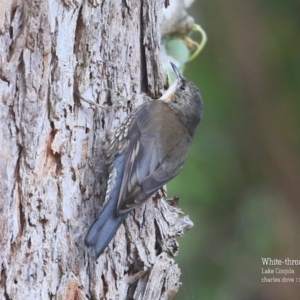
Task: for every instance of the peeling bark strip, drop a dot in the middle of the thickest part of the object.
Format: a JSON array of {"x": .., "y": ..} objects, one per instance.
[{"x": 52, "y": 171}]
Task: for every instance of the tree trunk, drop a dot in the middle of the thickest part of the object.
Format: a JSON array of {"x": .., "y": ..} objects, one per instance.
[{"x": 53, "y": 173}]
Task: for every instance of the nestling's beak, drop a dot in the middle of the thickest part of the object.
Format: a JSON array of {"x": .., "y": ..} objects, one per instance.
[{"x": 169, "y": 94}]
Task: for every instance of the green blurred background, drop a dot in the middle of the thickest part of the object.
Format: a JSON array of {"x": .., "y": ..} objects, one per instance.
[{"x": 241, "y": 184}]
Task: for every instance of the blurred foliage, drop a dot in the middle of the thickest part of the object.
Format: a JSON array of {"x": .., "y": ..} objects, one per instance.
[{"x": 241, "y": 184}]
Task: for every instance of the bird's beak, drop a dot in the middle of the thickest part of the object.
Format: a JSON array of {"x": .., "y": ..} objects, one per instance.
[
  {"x": 169, "y": 94},
  {"x": 176, "y": 71}
]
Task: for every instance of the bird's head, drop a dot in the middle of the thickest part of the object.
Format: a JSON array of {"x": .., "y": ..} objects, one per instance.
[{"x": 184, "y": 98}]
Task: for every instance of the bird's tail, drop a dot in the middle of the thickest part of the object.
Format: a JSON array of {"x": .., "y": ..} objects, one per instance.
[
  {"x": 104, "y": 228},
  {"x": 108, "y": 221}
]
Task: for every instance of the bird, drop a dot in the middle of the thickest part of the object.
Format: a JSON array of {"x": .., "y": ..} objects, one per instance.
[{"x": 146, "y": 151}]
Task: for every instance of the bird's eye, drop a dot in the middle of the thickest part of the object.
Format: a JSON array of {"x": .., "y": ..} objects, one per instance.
[{"x": 183, "y": 87}]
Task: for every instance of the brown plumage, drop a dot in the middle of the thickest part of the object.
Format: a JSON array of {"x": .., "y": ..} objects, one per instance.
[{"x": 147, "y": 150}]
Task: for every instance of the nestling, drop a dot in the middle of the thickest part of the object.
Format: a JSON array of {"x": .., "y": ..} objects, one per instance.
[{"x": 147, "y": 150}]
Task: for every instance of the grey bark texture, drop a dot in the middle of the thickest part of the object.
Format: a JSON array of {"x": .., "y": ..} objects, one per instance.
[{"x": 52, "y": 168}]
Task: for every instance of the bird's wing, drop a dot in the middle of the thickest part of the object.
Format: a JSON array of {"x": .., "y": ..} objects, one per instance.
[{"x": 151, "y": 161}]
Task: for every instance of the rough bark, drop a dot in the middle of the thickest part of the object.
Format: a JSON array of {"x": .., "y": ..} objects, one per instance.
[{"x": 52, "y": 171}]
